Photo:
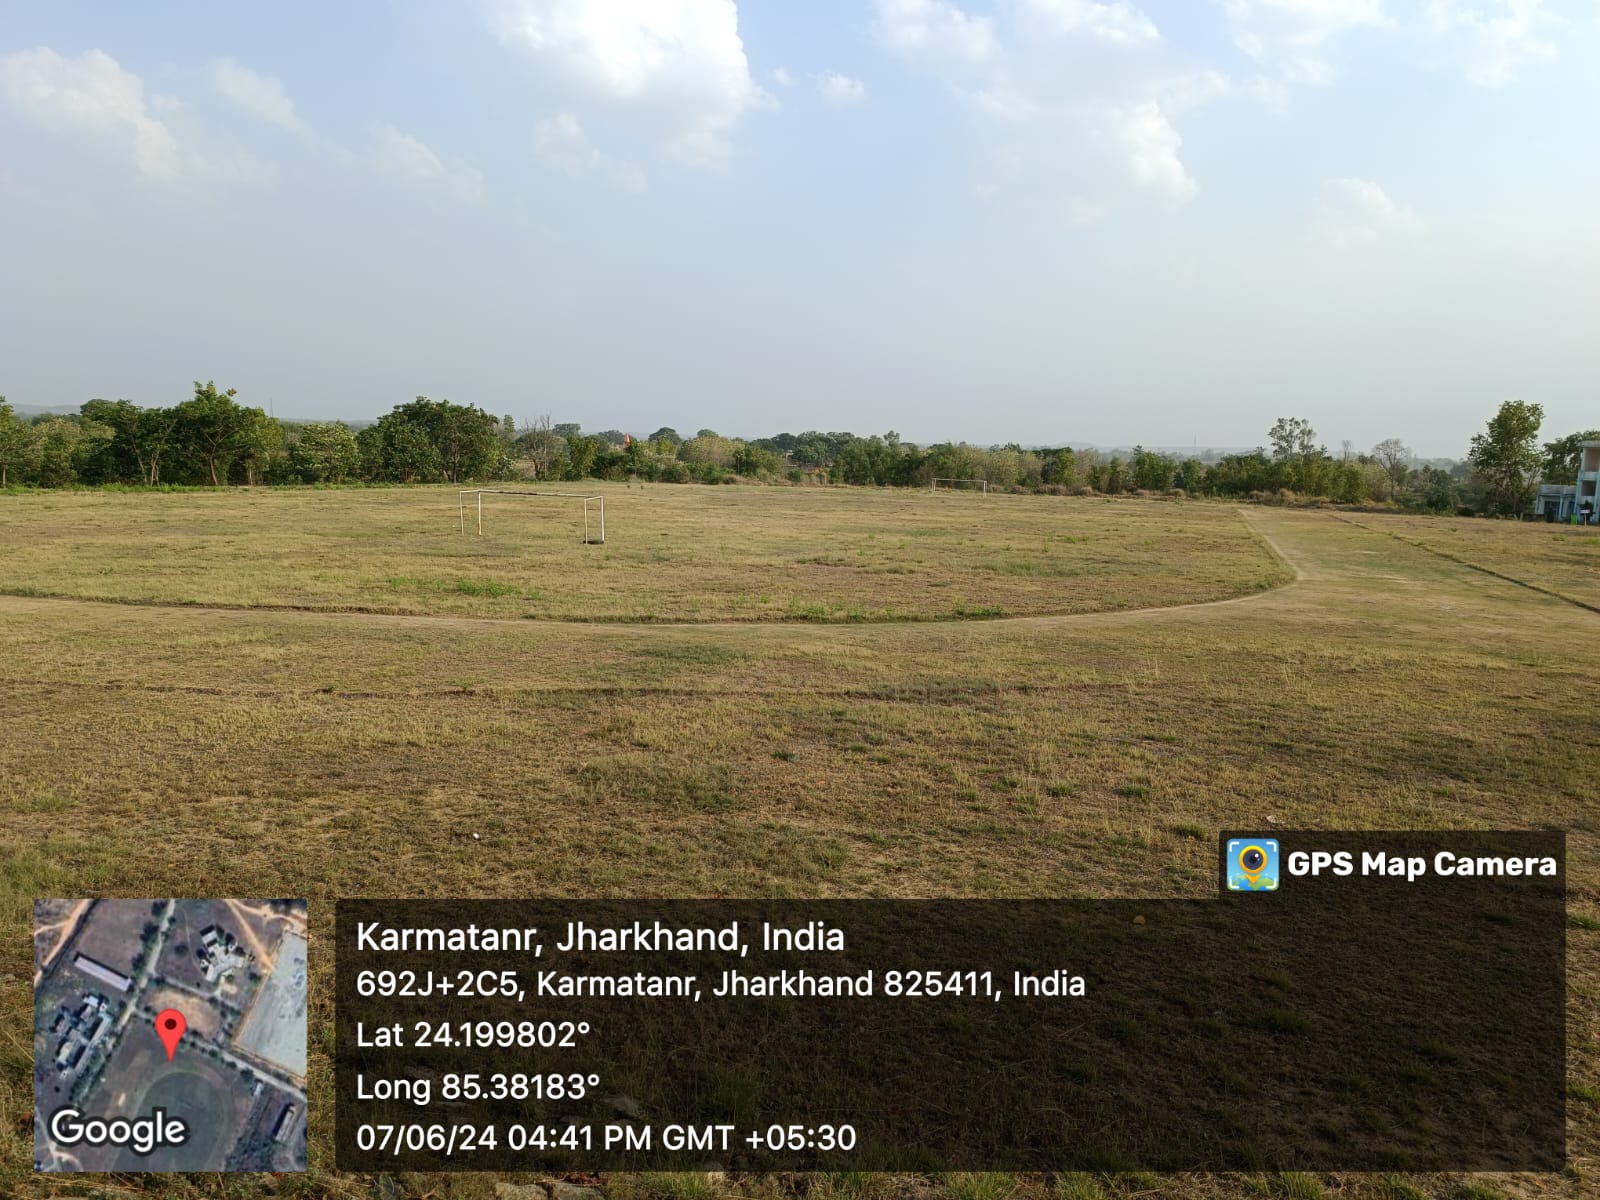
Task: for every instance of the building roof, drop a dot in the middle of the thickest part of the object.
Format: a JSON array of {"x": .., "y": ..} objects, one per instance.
[{"x": 102, "y": 972}]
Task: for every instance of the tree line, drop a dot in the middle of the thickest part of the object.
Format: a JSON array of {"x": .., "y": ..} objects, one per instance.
[{"x": 212, "y": 440}]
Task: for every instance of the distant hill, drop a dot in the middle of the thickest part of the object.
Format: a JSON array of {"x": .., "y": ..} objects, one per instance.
[
  {"x": 45, "y": 410},
  {"x": 72, "y": 410}
]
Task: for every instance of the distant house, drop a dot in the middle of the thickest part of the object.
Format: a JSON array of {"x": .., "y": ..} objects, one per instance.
[
  {"x": 102, "y": 972},
  {"x": 1563, "y": 501},
  {"x": 1556, "y": 501},
  {"x": 1588, "y": 481},
  {"x": 285, "y": 1125}
]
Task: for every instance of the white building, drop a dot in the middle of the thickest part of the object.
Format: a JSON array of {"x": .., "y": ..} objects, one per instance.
[
  {"x": 1588, "y": 482},
  {"x": 1562, "y": 501}
]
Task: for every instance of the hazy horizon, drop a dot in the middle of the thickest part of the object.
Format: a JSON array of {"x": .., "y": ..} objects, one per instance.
[{"x": 1041, "y": 221}]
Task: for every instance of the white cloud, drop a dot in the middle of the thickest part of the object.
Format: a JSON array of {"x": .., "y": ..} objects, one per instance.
[
  {"x": 560, "y": 144},
  {"x": 935, "y": 30},
  {"x": 261, "y": 96},
  {"x": 783, "y": 77},
  {"x": 1151, "y": 146},
  {"x": 1500, "y": 36},
  {"x": 840, "y": 90},
  {"x": 1002, "y": 103},
  {"x": 1357, "y": 212},
  {"x": 1194, "y": 89},
  {"x": 404, "y": 156},
  {"x": 679, "y": 65},
  {"x": 1293, "y": 36},
  {"x": 1081, "y": 97},
  {"x": 1111, "y": 20},
  {"x": 92, "y": 94}
]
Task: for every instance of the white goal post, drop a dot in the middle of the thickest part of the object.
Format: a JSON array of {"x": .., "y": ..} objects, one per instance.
[
  {"x": 949, "y": 483},
  {"x": 480, "y": 493}
]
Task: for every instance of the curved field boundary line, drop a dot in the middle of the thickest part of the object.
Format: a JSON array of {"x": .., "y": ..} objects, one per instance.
[
  {"x": 1272, "y": 548},
  {"x": 890, "y": 692},
  {"x": 1459, "y": 561}
]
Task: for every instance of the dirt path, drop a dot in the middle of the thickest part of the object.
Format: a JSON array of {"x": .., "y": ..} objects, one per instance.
[{"x": 67, "y": 926}]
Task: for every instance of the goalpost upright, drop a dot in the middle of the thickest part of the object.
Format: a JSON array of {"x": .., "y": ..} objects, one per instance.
[
  {"x": 982, "y": 483},
  {"x": 600, "y": 501}
]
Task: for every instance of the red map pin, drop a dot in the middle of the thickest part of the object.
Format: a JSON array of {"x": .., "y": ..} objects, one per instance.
[{"x": 169, "y": 1028}]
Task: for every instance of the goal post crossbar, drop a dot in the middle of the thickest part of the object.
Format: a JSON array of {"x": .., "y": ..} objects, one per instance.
[
  {"x": 587, "y": 498},
  {"x": 982, "y": 483}
]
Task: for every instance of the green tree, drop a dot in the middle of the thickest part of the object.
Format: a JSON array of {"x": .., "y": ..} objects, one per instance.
[
  {"x": 17, "y": 443},
  {"x": 1292, "y": 438},
  {"x": 464, "y": 439},
  {"x": 1190, "y": 475},
  {"x": 399, "y": 450},
  {"x": 325, "y": 453},
  {"x": 1561, "y": 456},
  {"x": 56, "y": 456},
  {"x": 578, "y": 457},
  {"x": 1152, "y": 472},
  {"x": 1345, "y": 482},
  {"x": 707, "y": 449},
  {"x": 1304, "y": 466},
  {"x": 1242, "y": 474},
  {"x": 1433, "y": 490},
  {"x": 212, "y": 429},
  {"x": 750, "y": 459},
  {"x": 260, "y": 446},
  {"x": 138, "y": 439},
  {"x": 1061, "y": 467},
  {"x": 665, "y": 437},
  {"x": 1506, "y": 456}
]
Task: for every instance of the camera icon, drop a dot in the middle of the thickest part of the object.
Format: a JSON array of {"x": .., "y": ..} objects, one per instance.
[{"x": 1252, "y": 865}]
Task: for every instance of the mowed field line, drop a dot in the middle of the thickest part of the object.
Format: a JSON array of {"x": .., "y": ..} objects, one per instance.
[
  {"x": 1465, "y": 562},
  {"x": 22, "y": 601}
]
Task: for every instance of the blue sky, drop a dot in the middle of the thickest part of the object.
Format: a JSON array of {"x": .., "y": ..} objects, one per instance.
[{"x": 1086, "y": 221}]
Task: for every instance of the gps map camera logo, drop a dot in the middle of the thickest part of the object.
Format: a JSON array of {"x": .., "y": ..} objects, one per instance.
[{"x": 1252, "y": 865}]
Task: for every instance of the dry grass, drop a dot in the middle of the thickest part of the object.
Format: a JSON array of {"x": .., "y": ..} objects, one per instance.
[
  {"x": 674, "y": 553},
  {"x": 158, "y": 751},
  {"x": 1560, "y": 559}
]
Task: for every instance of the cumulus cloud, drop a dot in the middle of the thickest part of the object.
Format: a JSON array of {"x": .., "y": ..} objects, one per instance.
[
  {"x": 1193, "y": 89},
  {"x": 1151, "y": 145},
  {"x": 1293, "y": 36},
  {"x": 1498, "y": 37},
  {"x": 1000, "y": 102},
  {"x": 1080, "y": 94},
  {"x": 91, "y": 94},
  {"x": 560, "y": 143},
  {"x": 405, "y": 157},
  {"x": 1110, "y": 20},
  {"x": 934, "y": 29},
  {"x": 1357, "y": 212},
  {"x": 840, "y": 90},
  {"x": 783, "y": 77},
  {"x": 260, "y": 96},
  {"x": 678, "y": 65}
]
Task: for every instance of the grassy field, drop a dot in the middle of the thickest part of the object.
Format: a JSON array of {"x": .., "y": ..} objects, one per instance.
[
  {"x": 154, "y": 750},
  {"x": 1563, "y": 560},
  {"x": 673, "y": 553}
]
